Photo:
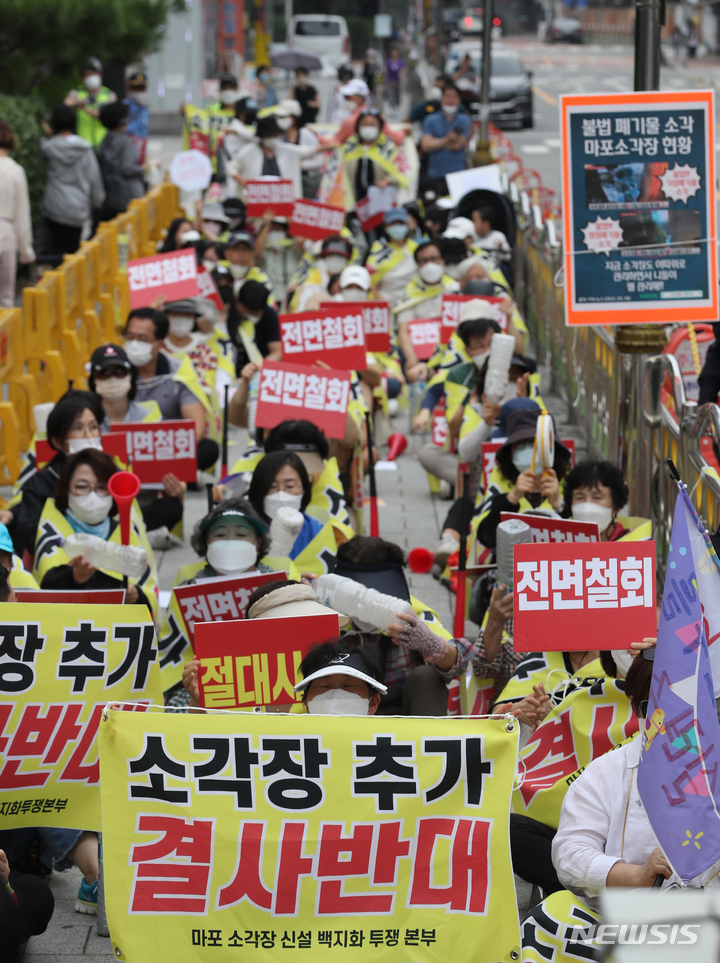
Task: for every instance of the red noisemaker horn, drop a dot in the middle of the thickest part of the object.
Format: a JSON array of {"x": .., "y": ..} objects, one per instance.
[
  {"x": 397, "y": 444},
  {"x": 124, "y": 487}
]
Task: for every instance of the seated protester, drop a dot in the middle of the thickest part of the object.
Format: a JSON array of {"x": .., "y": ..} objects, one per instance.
[
  {"x": 436, "y": 219},
  {"x": 236, "y": 210},
  {"x": 475, "y": 331},
  {"x": 454, "y": 253},
  {"x": 489, "y": 241},
  {"x": 172, "y": 384},
  {"x": 478, "y": 275},
  {"x": 26, "y": 907},
  {"x": 211, "y": 328},
  {"x": 280, "y": 481},
  {"x": 310, "y": 283},
  {"x": 184, "y": 340},
  {"x": 209, "y": 254},
  {"x": 240, "y": 260},
  {"x": 391, "y": 263},
  {"x": 543, "y": 679},
  {"x": 370, "y": 159},
  {"x": 254, "y": 327},
  {"x": 114, "y": 379},
  {"x": 211, "y": 221},
  {"x": 82, "y": 504},
  {"x": 595, "y": 491},
  {"x": 422, "y": 298},
  {"x": 418, "y": 655},
  {"x": 277, "y": 254},
  {"x": 462, "y": 229},
  {"x": 17, "y": 574},
  {"x": 335, "y": 685},
  {"x": 177, "y": 235},
  {"x": 72, "y": 426},
  {"x": 513, "y": 486},
  {"x": 230, "y": 540},
  {"x": 312, "y": 447}
]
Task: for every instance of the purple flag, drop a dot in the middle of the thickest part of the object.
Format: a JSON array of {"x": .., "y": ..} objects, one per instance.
[{"x": 678, "y": 772}]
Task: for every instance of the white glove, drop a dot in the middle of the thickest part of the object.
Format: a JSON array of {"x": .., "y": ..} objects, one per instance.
[{"x": 284, "y": 529}]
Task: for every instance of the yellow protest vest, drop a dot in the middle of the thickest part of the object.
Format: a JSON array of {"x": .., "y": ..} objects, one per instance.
[
  {"x": 415, "y": 293},
  {"x": 90, "y": 128},
  {"x": 20, "y": 578},
  {"x": 49, "y": 553},
  {"x": 187, "y": 376},
  {"x": 384, "y": 257},
  {"x": 545, "y": 931},
  {"x": 553, "y": 670},
  {"x": 318, "y": 555}
]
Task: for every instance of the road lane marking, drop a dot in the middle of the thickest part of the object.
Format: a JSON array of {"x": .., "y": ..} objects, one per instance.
[
  {"x": 534, "y": 149},
  {"x": 544, "y": 96},
  {"x": 552, "y": 141}
]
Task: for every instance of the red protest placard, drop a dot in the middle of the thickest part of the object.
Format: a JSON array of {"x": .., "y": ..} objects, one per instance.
[
  {"x": 255, "y": 662},
  {"x": 577, "y": 597},
  {"x": 298, "y": 391},
  {"x": 174, "y": 275},
  {"x": 275, "y": 194},
  {"x": 156, "y": 448},
  {"x": 424, "y": 335},
  {"x": 316, "y": 221},
  {"x": 219, "y": 599},
  {"x": 207, "y": 288},
  {"x": 334, "y": 335},
  {"x": 546, "y": 529},
  {"x": 369, "y": 214},
  {"x": 376, "y": 315},
  {"x": 110, "y": 445},
  {"x": 490, "y": 449},
  {"x": 91, "y": 597},
  {"x": 452, "y": 306}
]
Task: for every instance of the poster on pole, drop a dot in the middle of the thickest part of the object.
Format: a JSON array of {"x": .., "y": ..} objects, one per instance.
[{"x": 638, "y": 181}]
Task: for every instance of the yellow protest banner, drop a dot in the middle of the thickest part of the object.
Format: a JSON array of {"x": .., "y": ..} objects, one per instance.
[
  {"x": 59, "y": 666},
  {"x": 374, "y": 838}
]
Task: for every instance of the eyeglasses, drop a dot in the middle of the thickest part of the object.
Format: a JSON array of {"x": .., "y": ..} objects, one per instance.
[
  {"x": 79, "y": 430},
  {"x": 430, "y": 259},
  {"x": 291, "y": 486},
  {"x": 83, "y": 488}
]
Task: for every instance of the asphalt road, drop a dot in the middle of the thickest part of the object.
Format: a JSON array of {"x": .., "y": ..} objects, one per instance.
[{"x": 583, "y": 69}]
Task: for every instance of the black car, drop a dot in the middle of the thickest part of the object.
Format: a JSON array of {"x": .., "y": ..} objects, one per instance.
[
  {"x": 564, "y": 30},
  {"x": 511, "y": 96}
]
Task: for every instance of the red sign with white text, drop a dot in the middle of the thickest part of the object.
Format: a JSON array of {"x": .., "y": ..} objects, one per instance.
[
  {"x": 91, "y": 597},
  {"x": 174, "y": 275},
  {"x": 334, "y": 335},
  {"x": 157, "y": 448},
  {"x": 296, "y": 391},
  {"x": 546, "y": 529},
  {"x": 376, "y": 315},
  {"x": 316, "y": 221},
  {"x": 490, "y": 449},
  {"x": 275, "y": 194},
  {"x": 452, "y": 306},
  {"x": 220, "y": 599},
  {"x": 577, "y": 597},
  {"x": 207, "y": 288},
  {"x": 424, "y": 336},
  {"x": 255, "y": 662},
  {"x": 110, "y": 445}
]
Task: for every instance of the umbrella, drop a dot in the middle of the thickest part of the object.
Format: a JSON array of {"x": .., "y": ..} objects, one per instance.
[{"x": 293, "y": 59}]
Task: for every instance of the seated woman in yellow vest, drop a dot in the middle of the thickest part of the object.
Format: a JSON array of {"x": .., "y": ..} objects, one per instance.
[
  {"x": 19, "y": 577},
  {"x": 596, "y": 491},
  {"x": 82, "y": 504},
  {"x": 279, "y": 481},
  {"x": 230, "y": 540}
]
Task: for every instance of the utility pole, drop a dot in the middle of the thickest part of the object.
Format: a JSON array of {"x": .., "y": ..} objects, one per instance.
[
  {"x": 482, "y": 154},
  {"x": 439, "y": 35},
  {"x": 649, "y": 18}
]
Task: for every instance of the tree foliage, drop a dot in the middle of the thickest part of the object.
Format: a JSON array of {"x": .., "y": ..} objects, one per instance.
[{"x": 41, "y": 37}]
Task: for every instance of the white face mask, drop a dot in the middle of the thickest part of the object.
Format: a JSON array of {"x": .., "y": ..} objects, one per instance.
[
  {"x": 354, "y": 294},
  {"x": 239, "y": 271},
  {"x": 92, "y": 82},
  {"x": 369, "y": 133},
  {"x": 273, "y": 503},
  {"x": 480, "y": 359},
  {"x": 113, "y": 388},
  {"x": 599, "y": 515},
  {"x": 335, "y": 263},
  {"x": 141, "y": 97},
  {"x": 431, "y": 272},
  {"x": 270, "y": 142},
  {"x": 82, "y": 444},
  {"x": 138, "y": 353},
  {"x": 434, "y": 93},
  {"x": 275, "y": 238},
  {"x": 228, "y": 96},
  {"x": 209, "y": 265},
  {"x": 623, "y": 661},
  {"x": 338, "y": 702},
  {"x": 450, "y": 111},
  {"x": 181, "y": 325},
  {"x": 522, "y": 457},
  {"x": 188, "y": 236},
  {"x": 91, "y": 508},
  {"x": 228, "y": 556},
  {"x": 284, "y": 123},
  {"x": 214, "y": 227}
]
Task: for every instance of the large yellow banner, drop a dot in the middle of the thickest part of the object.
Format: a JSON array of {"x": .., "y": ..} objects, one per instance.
[
  {"x": 59, "y": 667},
  {"x": 373, "y": 838}
]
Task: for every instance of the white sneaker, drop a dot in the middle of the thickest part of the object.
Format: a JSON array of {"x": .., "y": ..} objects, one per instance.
[
  {"x": 393, "y": 407},
  {"x": 160, "y": 538},
  {"x": 447, "y": 546},
  {"x": 446, "y": 489}
]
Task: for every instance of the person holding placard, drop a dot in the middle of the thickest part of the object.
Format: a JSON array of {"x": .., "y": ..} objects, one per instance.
[
  {"x": 240, "y": 260},
  {"x": 270, "y": 156},
  {"x": 309, "y": 286},
  {"x": 391, "y": 263},
  {"x": 596, "y": 491},
  {"x": 341, "y": 678},
  {"x": 370, "y": 159},
  {"x": 277, "y": 254}
]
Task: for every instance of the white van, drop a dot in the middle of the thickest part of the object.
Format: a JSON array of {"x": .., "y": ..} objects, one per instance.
[{"x": 325, "y": 36}]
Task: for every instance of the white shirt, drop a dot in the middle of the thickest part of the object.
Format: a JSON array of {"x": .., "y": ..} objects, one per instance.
[
  {"x": 15, "y": 206},
  {"x": 393, "y": 283},
  {"x": 494, "y": 242},
  {"x": 288, "y": 156},
  {"x": 603, "y": 822}
]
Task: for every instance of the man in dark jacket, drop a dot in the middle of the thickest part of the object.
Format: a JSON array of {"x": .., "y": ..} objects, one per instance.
[{"x": 122, "y": 175}]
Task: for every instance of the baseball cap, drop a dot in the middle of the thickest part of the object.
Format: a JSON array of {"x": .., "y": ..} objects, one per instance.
[
  {"x": 343, "y": 663},
  {"x": 354, "y": 87},
  {"x": 477, "y": 310},
  {"x": 355, "y": 274},
  {"x": 280, "y": 219},
  {"x": 396, "y": 214},
  {"x": 183, "y": 306},
  {"x": 240, "y": 237},
  {"x": 6, "y": 544},
  {"x": 236, "y": 511},
  {"x": 109, "y": 356},
  {"x": 460, "y": 227},
  {"x": 336, "y": 245},
  {"x": 138, "y": 79}
]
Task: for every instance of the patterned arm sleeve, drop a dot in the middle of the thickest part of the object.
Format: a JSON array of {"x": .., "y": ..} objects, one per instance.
[
  {"x": 465, "y": 652},
  {"x": 503, "y": 666}
]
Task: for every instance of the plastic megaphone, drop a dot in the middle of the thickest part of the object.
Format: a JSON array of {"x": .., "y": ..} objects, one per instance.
[
  {"x": 397, "y": 444},
  {"x": 124, "y": 487},
  {"x": 420, "y": 559}
]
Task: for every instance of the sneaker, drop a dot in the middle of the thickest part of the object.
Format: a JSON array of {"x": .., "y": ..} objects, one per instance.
[
  {"x": 446, "y": 546},
  {"x": 393, "y": 407},
  {"x": 446, "y": 490},
  {"x": 160, "y": 538},
  {"x": 86, "y": 901}
]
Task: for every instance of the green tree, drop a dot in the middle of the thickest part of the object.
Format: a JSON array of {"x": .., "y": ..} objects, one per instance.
[{"x": 39, "y": 38}]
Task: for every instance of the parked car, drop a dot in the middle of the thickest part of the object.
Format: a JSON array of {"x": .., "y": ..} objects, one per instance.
[
  {"x": 326, "y": 36},
  {"x": 511, "y": 96},
  {"x": 564, "y": 29}
]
